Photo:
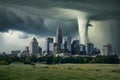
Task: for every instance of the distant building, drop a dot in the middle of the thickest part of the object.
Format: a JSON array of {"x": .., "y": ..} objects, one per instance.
[
  {"x": 59, "y": 36},
  {"x": 26, "y": 51},
  {"x": 63, "y": 55},
  {"x": 82, "y": 49},
  {"x": 59, "y": 39},
  {"x": 89, "y": 49},
  {"x": 49, "y": 45},
  {"x": 15, "y": 52},
  {"x": 107, "y": 50},
  {"x": 96, "y": 51},
  {"x": 39, "y": 51},
  {"x": 55, "y": 48},
  {"x": 65, "y": 49},
  {"x": 34, "y": 47},
  {"x": 68, "y": 39},
  {"x": 75, "y": 47},
  {"x": 62, "y": 46}
]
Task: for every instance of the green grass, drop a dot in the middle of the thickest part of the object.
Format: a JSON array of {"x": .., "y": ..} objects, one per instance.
[{"x": 60, "y": 72}]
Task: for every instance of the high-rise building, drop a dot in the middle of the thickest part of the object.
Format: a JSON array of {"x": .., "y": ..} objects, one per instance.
[
  {"x": 59, "y": 39},
  {"x": 75, "y": 47},
  {"x": 89, "y": 49},
  {"x": 82, "y": 49},
  {"x": 107, "y": 50},
  {"x": 65, "y": 50},
  {"x": 68, "y": 43},
  {"x": 59, "y": 36},
  {"x": 51, "y": 47},
  {"x": 34, "y": 47},
  {"x": 39, "y": 51},
  {"x": 26, "y": 51},
  {"x": 55, "y": 48},
  {"x": 48, "y": 47}
]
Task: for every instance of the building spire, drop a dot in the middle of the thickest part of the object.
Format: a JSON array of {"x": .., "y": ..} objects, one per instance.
[{"x": 59, "y": 35}]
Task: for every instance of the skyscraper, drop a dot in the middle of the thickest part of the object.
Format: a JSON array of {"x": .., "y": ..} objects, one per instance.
[
  {"x": 26, "y": 51},
  {"x": 34, "y": 47},
  {"x": 107, "y": 50},
  {"x": 68, "y": 43},
  {"x": 89, "y": 49},
  {"x": 82, "y": 49},
  {"x": 48, "y": 41},
  {"x": 59, "y": 39},
  {"x": 59, "y": 36},
  {"x": 75, "y": 47}
]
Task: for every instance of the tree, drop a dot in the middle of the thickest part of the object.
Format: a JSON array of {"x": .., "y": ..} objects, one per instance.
[
  {"x": 4, "y": 62},
  {"x": 27, "y": 60},
  {"x": 49, "y": 60}
]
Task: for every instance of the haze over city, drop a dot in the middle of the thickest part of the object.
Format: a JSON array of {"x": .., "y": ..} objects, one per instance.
[{"x": 21, "y": 20}]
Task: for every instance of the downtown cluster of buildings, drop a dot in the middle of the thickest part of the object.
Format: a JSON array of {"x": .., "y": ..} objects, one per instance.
[
  {"x": 32, "y": 50},
  {"x": 68, "y": 48},
  {"x": 60, "y": 47},
  {"x": 65, "y": 47}
]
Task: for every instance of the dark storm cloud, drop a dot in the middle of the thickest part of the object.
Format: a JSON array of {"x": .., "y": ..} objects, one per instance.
[
  {"x": 98, "y": 9},
  {"x": 33, "y": 24},
  {"x": 10, "y": 20},
  {"x": 30, "y": 15}
]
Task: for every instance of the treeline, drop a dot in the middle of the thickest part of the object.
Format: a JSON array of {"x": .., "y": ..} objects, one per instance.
[
  {"x": 80, "y": 60},
  {"x": 6, "y": 60}
]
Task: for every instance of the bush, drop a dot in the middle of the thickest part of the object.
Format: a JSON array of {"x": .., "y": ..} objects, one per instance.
[
  {"x": 27, "y": 60},
  {"x": 49, "y": 60},
  {"x": 4, "y": 62}
]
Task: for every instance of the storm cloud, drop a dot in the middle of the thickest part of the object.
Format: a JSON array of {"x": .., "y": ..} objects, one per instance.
[
  {"x": 30, "y": 15},
  {"x": 42, "y": 17}
]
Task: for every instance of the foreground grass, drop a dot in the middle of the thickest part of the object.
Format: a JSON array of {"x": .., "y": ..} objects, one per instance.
[{"x": 60, "y": 72}]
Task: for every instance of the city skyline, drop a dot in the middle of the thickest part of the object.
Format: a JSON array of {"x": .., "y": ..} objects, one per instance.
[
  {"x": 93, "y": 21},
  {"x": 62, "y": 47},
  {"x": 54, "y": 40}
]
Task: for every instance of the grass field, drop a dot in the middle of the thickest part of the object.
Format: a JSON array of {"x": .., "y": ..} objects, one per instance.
[{"x": 60, "y": 72}]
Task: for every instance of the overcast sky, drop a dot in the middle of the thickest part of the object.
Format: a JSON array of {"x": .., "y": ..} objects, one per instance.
[{"x": 20, "y": 20}]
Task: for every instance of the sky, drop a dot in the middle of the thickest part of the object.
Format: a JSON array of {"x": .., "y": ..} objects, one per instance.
[{"x": 21, "y": 20}]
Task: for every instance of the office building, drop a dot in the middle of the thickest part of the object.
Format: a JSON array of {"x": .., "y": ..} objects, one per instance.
[
  {"x": 107, "y": 50},
  {"x": 49, "y": 45},
  {"x": 34, "y": 47}
]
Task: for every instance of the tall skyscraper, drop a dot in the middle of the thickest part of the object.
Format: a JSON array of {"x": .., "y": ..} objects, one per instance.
[
  {"x": 59, "y": 39},
  {"x": 48, "y": 41},
  {"x": 69, "y": 43},
  {"x": 34, "y": 47},
  {"x": 75, "y": 47},
  {"x": 82, "y": 49},
  {"x": 59, "y": 36},
  {"x": 89, "y": 49},
  {"x": 65, "y": 46}
]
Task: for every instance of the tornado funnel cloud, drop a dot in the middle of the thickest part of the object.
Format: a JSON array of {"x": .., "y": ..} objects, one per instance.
[{"x": 83, "y": 29}]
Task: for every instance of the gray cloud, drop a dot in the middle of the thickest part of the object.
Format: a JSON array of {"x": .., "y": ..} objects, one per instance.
[
  {"x": 41, "y": 17},
  {"x": 103, "y": 8},
  {"x": 29, "y": 15},
  {"x": 33, "y": 24}
]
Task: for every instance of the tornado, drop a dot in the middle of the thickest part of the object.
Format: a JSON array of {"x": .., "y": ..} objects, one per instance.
[{"x": 83, "y": 29}]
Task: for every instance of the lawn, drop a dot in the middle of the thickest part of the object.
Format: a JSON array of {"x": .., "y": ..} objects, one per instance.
[{"x": 60, "y": 72}]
